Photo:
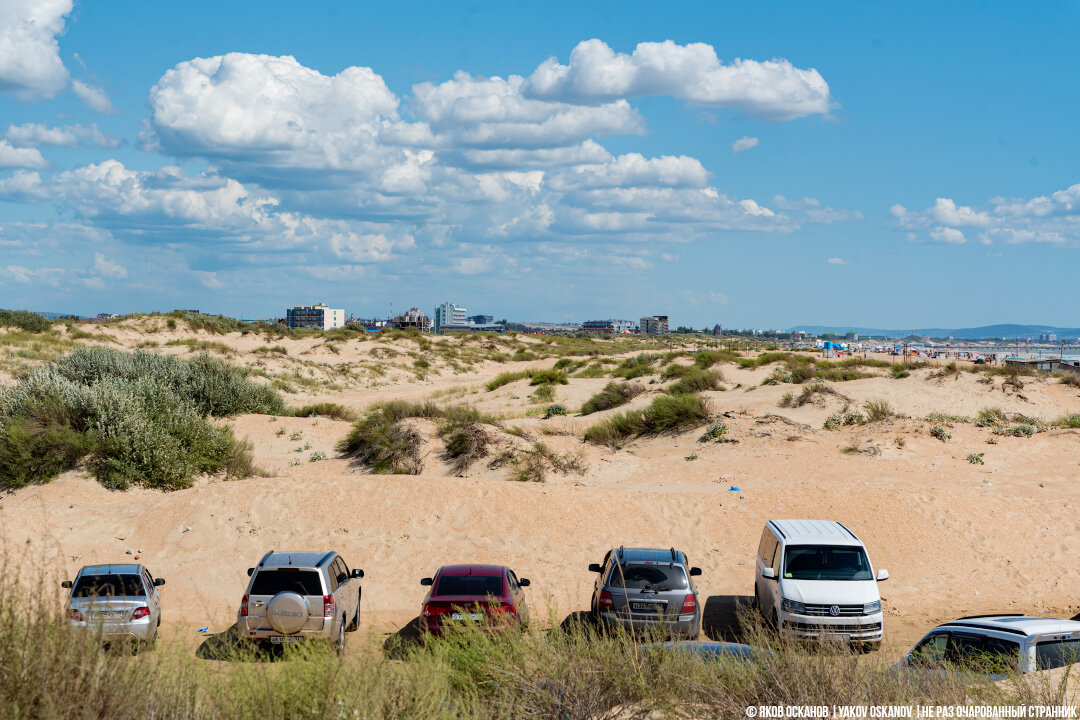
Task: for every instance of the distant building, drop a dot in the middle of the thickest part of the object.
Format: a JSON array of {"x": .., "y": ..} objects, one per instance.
[
  {"x": 608, "y": 327},
  {"x": 654, "y": 325},
  {"x": 414, "y": 319},
  {"x": 368, "y": 323},
  {"x": 321, "y": 316},
  {"x": 1048, "y": 337},
  {"x": 481, "y": 319},
  {"x": 851, "y": 336},
  {"x": 471, "y": 327},
  {"x": 450, "y": 314}
]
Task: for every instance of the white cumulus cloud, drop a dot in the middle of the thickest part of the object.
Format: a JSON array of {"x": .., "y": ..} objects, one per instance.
[
  {"x": 743, "y": 144},
  {"x": 30, "y": 64},
  {"x": 39, "y": 134},
  {"x": 768, "y": 90},
  {"x": 20, "y": 157},
  {"x": 93, "y": 97}
]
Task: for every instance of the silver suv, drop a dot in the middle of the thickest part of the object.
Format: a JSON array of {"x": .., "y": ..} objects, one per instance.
[
  {"x": 294, "y": 596},
  {"x": 642, "y": 589},
  {"x": 118, "y": 602}
]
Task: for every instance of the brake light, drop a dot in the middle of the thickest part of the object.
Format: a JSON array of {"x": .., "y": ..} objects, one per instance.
[
  {"x": 605, "y": 602},
  {"x": 328, "y": 605},
  {"x": 430, "y": 609},
  {"x": 74, "y": 615},
  {"x": 501, "y": 609},
  {"x": 689, "y": 604},
  {"x": 244, "y": 606},
  {"x": 140, "y": 613}
]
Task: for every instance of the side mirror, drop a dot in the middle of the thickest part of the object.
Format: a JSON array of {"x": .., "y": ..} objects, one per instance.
[
  {"x": 524, "y": 582},
  {"x": 882, "y": 575},
  {"x": 159, "y": 582},
  {"x": 427, "y": 581},
  {"x": 357, "y": 573},
  {"x": 768, "y": 573},
  {"x": 66, "y": 584},
  {"x": 595, "y": 567},
  {"x": 909, "y": 660},
  {"x": 250, "y": 571},
  {"x": 695, "y": 571}
]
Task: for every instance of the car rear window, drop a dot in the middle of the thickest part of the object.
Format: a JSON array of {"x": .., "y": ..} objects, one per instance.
[
  {"x": 108, "y": 586},
  {"x": 272, "y": 582},
  {"x": 480, "y": 585},
  {"x": 1057, "y": 653},
  {"x": 653, "y": 577}
]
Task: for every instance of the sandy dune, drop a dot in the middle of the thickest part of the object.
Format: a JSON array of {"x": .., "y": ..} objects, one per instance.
[{"x": 958, "y": 538}]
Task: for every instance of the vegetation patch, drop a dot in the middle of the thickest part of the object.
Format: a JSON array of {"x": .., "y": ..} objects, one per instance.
[
  {"x": 326, "y": 409},
  {"x": 137, "y": 418},
  {"x": 614, "y": 394},
  {"x": 635, "y": 367},
  {"x": 25, "y": 320},
  {"x": 697, "y": 380},
  {"x": 505, "y": 378},
  {"x": 939, "y": 432},
  {"x": 879, "y": 410},
  {"x": 533, "y": 464},
  {"x": 844, "y": 419},
  {"x": 666, "y": 413}
]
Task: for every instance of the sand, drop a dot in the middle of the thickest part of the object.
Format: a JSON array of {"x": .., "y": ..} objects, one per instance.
[{"x": 957, "y": 538}]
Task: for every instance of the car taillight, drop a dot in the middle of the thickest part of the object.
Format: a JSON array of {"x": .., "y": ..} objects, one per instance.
[
  {"x": 74, "y": 615},
  {"x": 605, "y": 602},
  {"x": 430, "y": 610},
  {"x": 328, "y": 605},
  {"x": 244, "y": 606},
  {"x": 501, "y": 609},
  {"x": 140, "y": 613},
  {"x": 689, "y": 604}
]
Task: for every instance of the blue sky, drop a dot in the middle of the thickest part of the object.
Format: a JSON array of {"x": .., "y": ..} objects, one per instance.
[{"x": 760, "y": 164}]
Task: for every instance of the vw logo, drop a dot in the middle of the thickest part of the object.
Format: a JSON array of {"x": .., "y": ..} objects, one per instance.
[{"x": 834, "y": 610}]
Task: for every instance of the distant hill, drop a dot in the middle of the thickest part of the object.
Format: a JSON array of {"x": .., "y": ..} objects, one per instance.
[{"x": 988, "y": 332}]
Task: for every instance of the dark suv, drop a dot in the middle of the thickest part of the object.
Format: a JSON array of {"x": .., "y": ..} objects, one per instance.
[{"x": 645, "y": 589}]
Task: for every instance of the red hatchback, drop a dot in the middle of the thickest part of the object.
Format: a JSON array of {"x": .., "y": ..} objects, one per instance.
[{"x": 470, "y": 593}]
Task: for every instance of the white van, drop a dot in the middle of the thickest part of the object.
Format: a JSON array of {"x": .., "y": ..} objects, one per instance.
[{"x": 814, "y": 577}]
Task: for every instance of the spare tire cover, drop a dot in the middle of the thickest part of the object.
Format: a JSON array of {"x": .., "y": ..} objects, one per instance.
[{"x": 287, "y": 612}]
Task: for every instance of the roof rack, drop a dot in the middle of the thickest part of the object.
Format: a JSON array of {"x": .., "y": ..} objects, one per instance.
[
  {"x": 674, "y": 555},
  {"x": 265, "y": 558},
  {"x": 324, "y": 558}
]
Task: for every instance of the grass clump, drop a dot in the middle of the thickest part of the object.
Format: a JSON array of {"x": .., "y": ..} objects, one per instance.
[
  {"x": 666, "y": 413},
  {"x": 505, "y": 378},
  {"x": 990, "y": 417},
  {"x": 25, "y": 320},
  {"x": 705, "y": 359},
  {"x": 137, "y": 418},
  {"x": 1070, "y": 378},
  {"x": 697, "y": 380},
  {"x": 543, "y": 394},
  {"x": 717, "y": 432},
  {"x": 533, "y": 464},
  {"x": 835, "y": 422},
  {"x": 635, "y": 367},
  {"x": 879, "y": 410},
  {"x": 326, "y": 409},
  {"x": 1068, "y": 421},
  {"x": 614, "y": 394},
  {"x": 787, "y": 400}
]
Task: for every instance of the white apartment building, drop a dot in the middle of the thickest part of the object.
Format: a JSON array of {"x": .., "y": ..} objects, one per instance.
[
  {"x": 449, "y": 314},
  {"x": 320, "y": 316}
]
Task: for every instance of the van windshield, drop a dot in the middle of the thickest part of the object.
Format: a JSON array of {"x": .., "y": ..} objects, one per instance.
[{"x": 826, "y": 562}]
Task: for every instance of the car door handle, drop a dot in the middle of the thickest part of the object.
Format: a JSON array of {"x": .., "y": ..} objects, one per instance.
[{"x": 258, "y": 603}]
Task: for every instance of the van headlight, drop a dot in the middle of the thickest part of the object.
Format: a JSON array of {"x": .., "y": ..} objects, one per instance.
[
  {"x": 792, "y": 606},
  {"x": 871, "y": 607}
]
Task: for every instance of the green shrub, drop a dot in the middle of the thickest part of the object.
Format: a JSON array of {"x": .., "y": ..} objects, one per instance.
[
  {"x": 899, "y": 371},
  {"x": 25, "y": 320},
  {"x": 1068, "y": 421},
  {"x": 665, "y": 413},
  {"x": 835, "y": 422},
  {"x": 787, "y": 399},
  {"x": 879, "y": 410},
  {"x": 697, "y": 380},
  {"x": 705, "y": 359},
  {"x": 138, "y": 418},
  {"x": 549, "y": 377},
  {"x": 326, "y": 409},
  {"x": 939, "y": 432},
  {"x": 1071, "y": 378},
  {"x": 976, "y": 459},
  {"x": 613, "y": 395},
  {"x": 990, "y": 417},
  {"x": 553, "y": 410},
  {"x": 505, "y": 378},
  {"x": 635, "y": 367},
  {"x": 717, "y": 432},
  {"x": 543, "y": 393}
]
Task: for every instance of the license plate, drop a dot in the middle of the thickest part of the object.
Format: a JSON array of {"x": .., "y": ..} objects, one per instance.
[
  {"x": 108, "y": 614},
  {"x": 464, "y": 616},
  {"x": 284, "y": 640},
  {"x": 644, "y": 607}
]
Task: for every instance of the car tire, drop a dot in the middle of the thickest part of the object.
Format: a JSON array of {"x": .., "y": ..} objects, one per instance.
[{"x": 339, "y": 644}]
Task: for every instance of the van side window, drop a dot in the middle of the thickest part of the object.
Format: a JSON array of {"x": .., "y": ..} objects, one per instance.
[
  {"x": 775, "y": 564},
  {"x": 767, "y": 547}
]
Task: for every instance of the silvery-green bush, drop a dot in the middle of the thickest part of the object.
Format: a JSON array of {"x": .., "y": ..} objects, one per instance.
[{"x": 137, "y": 418}]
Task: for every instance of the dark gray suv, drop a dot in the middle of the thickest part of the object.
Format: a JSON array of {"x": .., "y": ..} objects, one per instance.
[{"x": 646, "y": 589}]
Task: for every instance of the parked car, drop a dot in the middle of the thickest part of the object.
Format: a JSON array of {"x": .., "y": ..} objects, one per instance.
[
  {"x": 470, "y": 593},
  {"x": 996, "y": 645},
  {"x": 709, "y": 649},
  {"x": 815, "y": 578},
  {"x": 297, "y": 596},
  {"x": 118, "y": 602},
  {"x": 647, "y": 590}
]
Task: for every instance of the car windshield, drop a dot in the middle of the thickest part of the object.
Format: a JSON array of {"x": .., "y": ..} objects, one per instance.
[
  {"x": 476, "y": 585},
  {"x": 1057, "y": 653},
  {"x": 826, "y": 562},
  {"x": 647, "y": 576},
  {"x": 272, "y": 582},
  {"x": 108, "y": 586}
]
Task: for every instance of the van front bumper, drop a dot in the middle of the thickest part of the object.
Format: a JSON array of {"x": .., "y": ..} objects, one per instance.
[{"x": 865, "y": 628}]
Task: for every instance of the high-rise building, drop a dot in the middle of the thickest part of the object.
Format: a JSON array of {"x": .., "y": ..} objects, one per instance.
[
  {"x": 413, "y": 319},
  {"x": 654, "y": 325},
  {"x": 450, "y": 314},
  {"x": 321, "y": 316},
  {"x": 482, "y": 319}
]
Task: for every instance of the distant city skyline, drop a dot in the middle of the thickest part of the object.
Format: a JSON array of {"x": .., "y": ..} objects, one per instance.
[{"x": 887, "y": 164}]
